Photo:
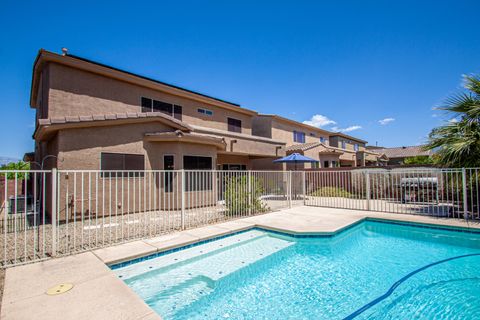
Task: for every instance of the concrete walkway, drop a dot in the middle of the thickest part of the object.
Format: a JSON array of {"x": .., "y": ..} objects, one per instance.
[{"x": 98, "y": 294}]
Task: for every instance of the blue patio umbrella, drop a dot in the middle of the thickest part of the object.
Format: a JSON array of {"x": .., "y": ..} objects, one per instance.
[{"x": 295, "y": 158}]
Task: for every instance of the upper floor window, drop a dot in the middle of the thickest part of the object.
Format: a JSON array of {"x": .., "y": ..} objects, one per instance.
[
  {"x": 312, "y": 134},
  {"x": 299, "y": 136},
  {"x": 234, "y": 125},
  {"x": 322, "y": 139},
  {"x": 355, "y": 147},
  {"x": 205, "y": 111},
  {"x": 150, "y": 105},
  {"x": 344, "y": 144}
]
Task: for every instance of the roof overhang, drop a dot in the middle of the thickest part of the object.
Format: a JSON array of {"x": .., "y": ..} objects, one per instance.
[
  {"x": 46, "y": 128},
  {"x": 343, "y": 135},
  {"x": 295, "y": 123},
  {"x": 180, "y": 136}
]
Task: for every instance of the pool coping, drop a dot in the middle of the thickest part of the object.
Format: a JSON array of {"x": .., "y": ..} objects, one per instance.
[{"x": 130, "y": 259}]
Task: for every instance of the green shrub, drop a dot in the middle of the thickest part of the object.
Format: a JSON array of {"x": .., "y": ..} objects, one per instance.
[
  {"x": 331, "y": 192},
  {"x": 20, "y": 165},
  {"x": 239, "y": 200}
]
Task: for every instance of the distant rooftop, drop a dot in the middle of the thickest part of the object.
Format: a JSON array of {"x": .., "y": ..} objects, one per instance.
[{"x": 402, "y": 152}]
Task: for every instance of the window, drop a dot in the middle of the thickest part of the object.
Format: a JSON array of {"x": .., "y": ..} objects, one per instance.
[
  {"x": 299, "y": 136},
  {"x": 344, "y": 144},
  {"x": 146, "y": 105},
  {"x": 325, "y": 164},
  {"x": 159, "y": 106},
  {"x": 121, "y": 161},
  {"x": 168, "y": 164},
  {"x": 234, "y": 125},
  {"x": 312, "y": 134},
  {"x": 315, "y": 165},
  {"x": 196, "y": 181},
  {"x": 177, "y": 112},
  {"x": 236, "y": 167},
  {"x": 334, "y": 164},
  {"x": 205, "y": 111},
  {"x": 322, "y": 139},
  {"x": 355, "y": 147},
  {"x": 150, "y": 105}
]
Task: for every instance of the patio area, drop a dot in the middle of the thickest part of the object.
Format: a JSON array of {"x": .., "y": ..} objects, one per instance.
[{"x": 25, "y": 286}]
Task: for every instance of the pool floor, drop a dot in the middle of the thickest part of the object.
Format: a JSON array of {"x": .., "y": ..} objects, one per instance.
[{"x": 258, "y": 274}]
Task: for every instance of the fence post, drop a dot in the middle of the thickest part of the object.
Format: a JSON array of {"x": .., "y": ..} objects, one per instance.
[
  {"x": 367, "y": 188},
  {"x": 183, "y": 199},
  {"x": 54, "y": 211},
  {"x": 290, "y": 189},
  {"x": 304, "y": 188},
  {"x": 250, "y": 205},
  {"x": 464, "y": 192}
]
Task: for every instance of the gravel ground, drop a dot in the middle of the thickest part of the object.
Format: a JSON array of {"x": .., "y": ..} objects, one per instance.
[
  {"x": 2, "y": 280},
  {"x": 75, "y": 236}
]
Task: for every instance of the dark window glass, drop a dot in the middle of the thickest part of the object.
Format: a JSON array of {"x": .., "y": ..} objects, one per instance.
[
  {"x": 159, "y": 106},
  {"x": 299, "y": 136},
  {"x": 168, "y": 164},
  {"x": 201, "y": 110},
  {"x": 325, "y": 164},
  {"x": 146, "y": 105},
  {"x": 196, "y": 181},
  {"x": 177, "y": 112},
  {"x": 121, "y": 161},
  {"x": 234, "y": 125}
]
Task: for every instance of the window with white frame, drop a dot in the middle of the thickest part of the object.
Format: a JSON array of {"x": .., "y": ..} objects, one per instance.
[{"x": 205, "y": 111}]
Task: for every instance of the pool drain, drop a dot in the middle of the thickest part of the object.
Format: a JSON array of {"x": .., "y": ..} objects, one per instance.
[{"x": 59, "y": 289}]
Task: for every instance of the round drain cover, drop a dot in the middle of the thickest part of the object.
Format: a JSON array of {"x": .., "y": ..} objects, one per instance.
[{"x": 59, "y": 289}]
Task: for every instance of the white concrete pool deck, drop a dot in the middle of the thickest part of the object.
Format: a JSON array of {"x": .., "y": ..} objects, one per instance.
[{"x": 99, "y": 294}]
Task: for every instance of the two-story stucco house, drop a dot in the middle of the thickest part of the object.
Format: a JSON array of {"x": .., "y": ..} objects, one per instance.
[
  {"x": 93, "y": 116},
  {"x": 329, "y": 149},
  {"x": 355, "y": 151}
]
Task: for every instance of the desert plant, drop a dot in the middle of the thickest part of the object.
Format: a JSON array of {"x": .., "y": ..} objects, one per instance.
[{"x": 239, "y": 199}]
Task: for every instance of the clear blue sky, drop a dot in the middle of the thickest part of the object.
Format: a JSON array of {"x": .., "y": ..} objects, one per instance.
[{"x": 352, "y": 62}]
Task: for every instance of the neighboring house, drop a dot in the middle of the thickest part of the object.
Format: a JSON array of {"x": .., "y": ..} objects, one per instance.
[
  {"x": 330, "y": 149},
  {"x": 356, "y": 151},
  {"x": 397, "y": 155},
  {"x": 92, "y": 116}
]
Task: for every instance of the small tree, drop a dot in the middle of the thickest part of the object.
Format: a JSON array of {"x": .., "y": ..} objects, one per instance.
[
  {"x": 419, "y": 160},
  {"x": 240, "y": 200},
  {"x": 20, "y": 165}
]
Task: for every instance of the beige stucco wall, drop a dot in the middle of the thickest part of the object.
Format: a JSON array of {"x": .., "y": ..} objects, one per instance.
[
  {"x": 76, "y": 92},
  {"x": 283, "y": 131},
  {"x": 336, "y": 141},
  {"x": 80, "y": 149}
]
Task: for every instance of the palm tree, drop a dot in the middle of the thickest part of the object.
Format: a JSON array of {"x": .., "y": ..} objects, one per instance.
[{"x": 458, "y": 142}]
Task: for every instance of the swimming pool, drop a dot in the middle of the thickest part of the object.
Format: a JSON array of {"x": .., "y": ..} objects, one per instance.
[{"x": 257, "y": 274}]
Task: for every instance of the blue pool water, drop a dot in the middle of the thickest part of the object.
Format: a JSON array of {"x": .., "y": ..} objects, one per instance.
[{"x": 257, "y": 274}]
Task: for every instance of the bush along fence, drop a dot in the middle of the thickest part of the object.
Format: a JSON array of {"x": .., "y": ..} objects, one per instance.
[{"x": 46, "y": 213}]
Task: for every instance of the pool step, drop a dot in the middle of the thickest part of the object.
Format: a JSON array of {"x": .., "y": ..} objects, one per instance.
[
  {"x": 196, "y": 276},
  {"x": 181, "y": 295}
]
